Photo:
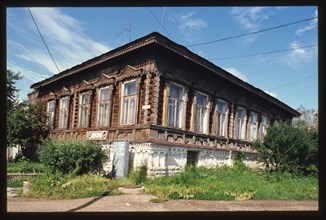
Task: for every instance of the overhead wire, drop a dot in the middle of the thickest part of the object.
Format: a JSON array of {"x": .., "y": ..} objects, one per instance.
[
  {"x": 43, "y": 40},
  {"x": 153, "y": 15},
  {"x": 262, "y": 53},
  {"x": 250, "y": 33}
]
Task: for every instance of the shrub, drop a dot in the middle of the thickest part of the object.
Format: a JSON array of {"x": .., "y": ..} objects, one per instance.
[
  {"x": 289, "y": 149},
  {"x": 71, "y": 156}
]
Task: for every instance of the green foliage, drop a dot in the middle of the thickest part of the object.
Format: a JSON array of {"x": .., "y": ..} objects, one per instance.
[
  {"x": 25, "y": 166},
  {"x": 15, "y": 182},
  {"x": 236, "y": 183},
  {"x": 138, "y": 175},
  {"x": 59, "y": 186},
  {"x": 26, "y": 125},
  {"x": 12, "y": 90},
  {"x": 67, "y": 156},
  {"x": 290, "y": 149}
]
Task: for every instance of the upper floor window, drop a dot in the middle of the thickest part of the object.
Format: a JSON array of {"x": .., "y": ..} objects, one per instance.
[
  {"x": 201, "y": 113},
  {"x": 128, "y": 100},
  {"x": 263, "y": 125},
  {"x": 64, "y": 111},
  {"x": 175, "y": 106},
  {"x": 253, "y": 126},
  {"x": 240, "y": 132},
  {"x": 103, "y": 107},
  {"x": 221, "y": 117},
  {"x": 84, "y": 109},
  {"x": 50, "y": 113}
]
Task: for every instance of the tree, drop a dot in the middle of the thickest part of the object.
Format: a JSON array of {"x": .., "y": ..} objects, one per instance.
[
  {"x": 308, "y": 119},
  {"x": 26, "y": 123},
  {"x": 289, "y": 149},
  {"x": 12, "y": 91}
]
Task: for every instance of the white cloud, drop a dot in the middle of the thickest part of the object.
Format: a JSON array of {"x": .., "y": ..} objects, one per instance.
[
  {"x": 187, "y": 21},
  {"x": 188, "y": 25},
  {"x": 298, "y": 56},
  {"x": 271, "y": 93},
  {"x": 236, "y": 73},
  {"x": 65, "y": 37},
  {"x": 249, "y": 18},
  {"x": 28, "y": 74},
  {"x": 310, "y": 26}
]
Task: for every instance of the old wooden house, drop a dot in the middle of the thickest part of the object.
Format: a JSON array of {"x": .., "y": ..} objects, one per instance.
[{"x": 171, "y": 105}]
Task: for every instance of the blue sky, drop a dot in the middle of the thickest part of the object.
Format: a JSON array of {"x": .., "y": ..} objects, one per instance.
[{"x": 76, "y": 34}]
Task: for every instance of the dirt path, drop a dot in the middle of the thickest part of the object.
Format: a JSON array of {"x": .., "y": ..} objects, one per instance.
[{"x": 142, "y": 203}]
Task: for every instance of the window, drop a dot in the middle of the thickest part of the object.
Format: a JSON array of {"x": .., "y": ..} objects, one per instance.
[
  {"x": 221, "y": 117},
  {"x": 84, "y": 110},
  {"x": 103, "y": 108},
  {"x": 50, "y": 113},
  {"x": 253, "y": 126},
  {"x": 240, "y": 121},
  {"x": 128, "y": 100},
  {"x": 263, "y": 125},
  {"x": 192, "y": 157},
  {"x": 201, "y": 113},
  {"x": 64, "y": 111},
  {"x": 175, "y": 106}
]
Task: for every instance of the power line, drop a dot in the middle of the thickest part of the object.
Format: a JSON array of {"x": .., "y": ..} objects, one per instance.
[
  {"x": 291, "y": 32},
  {"x": 256, "y": 54},
  {"x": 159, "y": 22},
  {"x": 43, "y": 40},
  {"x": 255, "y": 32},
  {"x": 290, "y": 83}
]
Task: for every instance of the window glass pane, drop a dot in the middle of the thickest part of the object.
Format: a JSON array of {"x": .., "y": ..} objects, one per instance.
[
  {"x": 241, "y": 113},
  {"x": 130, "y": 88},
  {"x": 104, "y": 94},
  {"x": 221, "y": 106},
  {"x": 253, "y": 117},
  {"x": 176, "y": 91},
  {"x": 201, "y": 100},
  {"x": 132, "y": 110}
]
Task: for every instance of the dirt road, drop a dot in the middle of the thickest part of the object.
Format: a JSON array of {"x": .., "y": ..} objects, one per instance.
[{"x": 142, "y": 203}]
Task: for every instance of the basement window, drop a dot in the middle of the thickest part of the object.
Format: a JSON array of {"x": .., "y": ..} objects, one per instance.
[{"x": 192, "y": 157}]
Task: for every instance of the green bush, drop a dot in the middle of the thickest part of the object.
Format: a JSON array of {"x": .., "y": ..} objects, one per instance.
[
  {"x": 138, "y": 175},
  {"x": 78, "y": 157},
  {"x": 290, "y": 149}
]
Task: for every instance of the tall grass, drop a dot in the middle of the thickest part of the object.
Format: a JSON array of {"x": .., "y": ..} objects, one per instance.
[
  {"x": 25, "y": 166},
  {"x": 237, "y": 183}
]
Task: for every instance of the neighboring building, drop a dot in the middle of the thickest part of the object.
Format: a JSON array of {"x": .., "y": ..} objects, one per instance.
[{"x": 173, "y": 106}]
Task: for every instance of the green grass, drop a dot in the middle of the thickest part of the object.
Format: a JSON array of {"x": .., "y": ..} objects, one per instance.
[
  {"x": 223, "y": 183},
  {"x": 25, "y": 166},
  {"x": 237, "y": 183}
]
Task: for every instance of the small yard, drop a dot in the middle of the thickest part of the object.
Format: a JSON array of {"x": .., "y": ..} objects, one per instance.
[{"x": 223, "y": 183}]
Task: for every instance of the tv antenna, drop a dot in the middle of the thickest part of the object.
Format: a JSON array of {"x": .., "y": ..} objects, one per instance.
[{"x": 127, "y": 30}]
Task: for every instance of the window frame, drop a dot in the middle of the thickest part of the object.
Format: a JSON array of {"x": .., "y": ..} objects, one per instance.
[
  {"x": 242, "y": 135},
  {"x": 204, "y": 126},
  {"x": 263, "y": 128},
  {"x": 86, "y": 121},
  {"x": 253, "y": 124},
  {"x": 125, "y": 119},
  {"x": 100, "y": 121},
  {"x": 179, "y": 116},
  {"x": 218, "y": 115},
  {"x": 64, "y": 113},
  {"x": 51, "y": 115}
]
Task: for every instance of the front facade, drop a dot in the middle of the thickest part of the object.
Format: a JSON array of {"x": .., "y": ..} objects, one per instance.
[{"x": 172, "y": 106}]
